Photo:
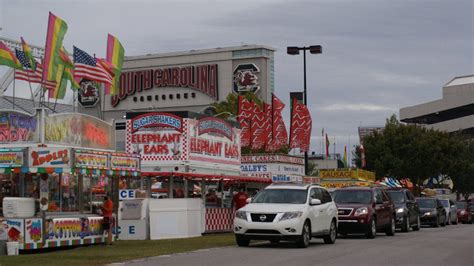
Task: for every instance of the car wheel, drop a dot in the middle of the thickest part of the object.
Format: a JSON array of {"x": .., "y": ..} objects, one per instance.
[
  {"x": 331, "y": 237},
  {"x": 303, "y": 240},
  {"x": 372, "y": 229},
  {"x": 406, "y": 224},
  {"x": 242, "y": 242},
  {"x": 391, "y": 229},
  {"x": 418, "y": 224}
]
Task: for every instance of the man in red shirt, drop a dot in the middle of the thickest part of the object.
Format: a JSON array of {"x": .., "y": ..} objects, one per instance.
[
  {"x": 107, "y": 210},
  {"x": 240, "y": 199}
]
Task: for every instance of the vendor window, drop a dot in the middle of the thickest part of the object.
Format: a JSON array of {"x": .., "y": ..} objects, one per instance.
[
  {"x": 62, "y": 193},
  {"x": 94, "y": 189}
]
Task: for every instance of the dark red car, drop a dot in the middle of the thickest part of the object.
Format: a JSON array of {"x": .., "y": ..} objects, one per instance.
[
  {"x": 464, "y": 212},
  {"x": 366, "y": 210}
]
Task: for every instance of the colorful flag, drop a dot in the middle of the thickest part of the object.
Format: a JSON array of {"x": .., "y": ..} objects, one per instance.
[
  {"x": 30, "y": 75},
  {"x": 115, "y": 55},
  {"x": 7, "y": 57},
  {"x": 327, "y": 146},
  {"x": 301, "y": 124},
  {"x": 268, "y": 126},
  {"x": 27, "y": 50},
  {"x": 257, "y": 128},
  {"x": 345, "y": 157},
  {"x": 245, "y": 112},
  {"x": 279, "y": 133},
  {"x": 54, "y": 41},
  {"x": 90, "y": 68}
]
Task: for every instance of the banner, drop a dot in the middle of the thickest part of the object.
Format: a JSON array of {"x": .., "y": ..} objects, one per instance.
[
  {"x": 15, "y": 230},
  {"x": 214, "y": 146},
  {"x": 79, "y": 130},
  {"x": 90, "y": 160},
  {"x": 124, "y": 163},
  {"x": 258, "y": 128},
  {"x": 73, "y": 228},
  {"x": 49, "y": 157},
  {"x": 301, "y": 123},
  {"x": 279, "y": 133},
  {"x": 17, "y": 127},
  {"x": 10, "y": 158},
  {"x": 33, "y": 230},
  {"x": 244, "y": 116}
]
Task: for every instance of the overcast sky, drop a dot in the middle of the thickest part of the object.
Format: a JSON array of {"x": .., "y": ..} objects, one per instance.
[{"x": 377, "y": 56}]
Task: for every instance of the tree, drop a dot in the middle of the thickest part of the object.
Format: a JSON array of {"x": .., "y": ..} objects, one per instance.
[{"x": 410, "y": 151}]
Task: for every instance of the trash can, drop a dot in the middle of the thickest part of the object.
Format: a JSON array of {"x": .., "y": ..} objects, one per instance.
[{"x": 13, "y": 248}]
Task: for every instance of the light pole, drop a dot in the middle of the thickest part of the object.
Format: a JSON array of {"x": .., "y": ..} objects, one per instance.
[{"x": 295, "y": 50}]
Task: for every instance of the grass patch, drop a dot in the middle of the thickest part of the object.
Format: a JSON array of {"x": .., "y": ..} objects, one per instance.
[{"x": 121, "y": 251}]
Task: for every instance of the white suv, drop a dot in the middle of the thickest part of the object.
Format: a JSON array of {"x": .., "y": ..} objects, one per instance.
[{"x": 294, "y": 212}]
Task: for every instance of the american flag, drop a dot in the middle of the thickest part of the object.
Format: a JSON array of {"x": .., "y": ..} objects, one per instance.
[
  {"x": 27, "y": 74},
  {"x": 87, "y": 67}
]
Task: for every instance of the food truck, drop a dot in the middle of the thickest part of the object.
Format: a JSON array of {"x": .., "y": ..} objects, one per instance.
[{"x": 54, "y": 173}]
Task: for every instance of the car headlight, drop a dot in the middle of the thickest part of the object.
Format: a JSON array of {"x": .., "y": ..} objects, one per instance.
[
  {"x": 463, "y": 212},
  {"x": 427, "y": 213},
  {"x": 290, "y": 215},
  {"x": 400, "y": 210},
  {"x": 361, "y": 211},
  {"x": 241, "y": 215}
]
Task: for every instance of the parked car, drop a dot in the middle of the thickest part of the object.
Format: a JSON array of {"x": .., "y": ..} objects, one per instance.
[
  {"x": 451, "y": 211},
  {"x": 432, "y": 211},
  {"x": 464, "y": 213},
  {"x": 407, "y": 210},
  {"x": 287, "y": 212},
  {"x": 366, "y": 210}
]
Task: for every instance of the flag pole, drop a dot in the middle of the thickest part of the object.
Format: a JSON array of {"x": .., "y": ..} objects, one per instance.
[
  {"x": 31, "y": 90},
  {"x": 14, "y": 77}
]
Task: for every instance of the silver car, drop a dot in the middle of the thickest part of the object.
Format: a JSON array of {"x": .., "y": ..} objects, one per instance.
[{"x": 451, "y": 211}]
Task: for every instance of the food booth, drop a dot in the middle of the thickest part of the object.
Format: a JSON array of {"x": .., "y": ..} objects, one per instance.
[
  {"x": 192, "y": 166},
  {"x": 340, "y": 178},
  {"x": 58, "y": 168}
]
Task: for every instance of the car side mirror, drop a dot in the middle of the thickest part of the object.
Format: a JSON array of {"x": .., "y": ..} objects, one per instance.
[
  {"x": 379, "y": 201},
  {"x": 315, "y": 202},
  {"x": 248, "y": 200}
]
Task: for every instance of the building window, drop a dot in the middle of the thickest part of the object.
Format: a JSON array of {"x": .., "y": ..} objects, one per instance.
[
  {"x": 163, "y": 97},
  {"x": 193, "y": 95},
  {"x": 178, "y": 96},
  {"x": 157, "y": 97},
  {"x": 185, "y": 95},
  {"x": 170, "y": 96},
  {"x": 135, "y": 99},
  {"x": 149, "y": 98},
  {"x": 142, "y": 99}
]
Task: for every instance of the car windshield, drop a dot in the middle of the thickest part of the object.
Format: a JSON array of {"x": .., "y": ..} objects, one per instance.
[
  {"x": 397, "y": 196},
  {"x": 471, "y": 207},
  {"x": 426, "y": 203},
  {"x": 461, "y": 205},
  {"x": 288, "y": 196},
  {"x": 353, "y": 196},
  {"x": 445, "y": 203}
]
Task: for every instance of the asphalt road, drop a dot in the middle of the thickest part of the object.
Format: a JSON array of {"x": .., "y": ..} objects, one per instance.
[{"x": 451, "y": 245}]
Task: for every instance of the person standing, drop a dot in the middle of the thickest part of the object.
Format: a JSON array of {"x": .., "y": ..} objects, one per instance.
[
  {"x": 107, "y": 210},
  {"x": 240, "y": 199}
]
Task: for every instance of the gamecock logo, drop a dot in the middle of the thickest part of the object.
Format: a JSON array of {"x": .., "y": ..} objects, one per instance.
[{"x": 245, "y": 78}]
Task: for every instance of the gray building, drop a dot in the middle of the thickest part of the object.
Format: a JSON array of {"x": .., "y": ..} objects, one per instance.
[
  {"x": 453, "y": 113},
  {"x": 182, "y": 81}
]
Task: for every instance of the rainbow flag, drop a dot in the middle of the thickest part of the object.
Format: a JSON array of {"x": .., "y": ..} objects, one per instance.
[
  {"x": 115, "y": 55},
  {"x": 54, "y": 41},
  {"x": 28, "y": 54},
  {"x": 7, "y": 57},
  {"x": 64, "y": 74}
]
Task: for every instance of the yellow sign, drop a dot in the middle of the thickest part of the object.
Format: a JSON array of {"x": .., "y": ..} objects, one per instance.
[{"x": 359, "y": 174}]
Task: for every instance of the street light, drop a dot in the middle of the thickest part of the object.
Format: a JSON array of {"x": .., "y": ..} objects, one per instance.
[{"x": 295, "y": 50}]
